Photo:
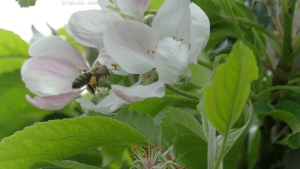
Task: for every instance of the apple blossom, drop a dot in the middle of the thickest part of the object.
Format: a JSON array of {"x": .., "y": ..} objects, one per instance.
[
  {"x": 163, "y": 48},
  {"x": 128, "y": 9},
  {"x": 150, "y": 158},
  {"x": 87, "y": 27},
  {"x": 49, "y": 73}
]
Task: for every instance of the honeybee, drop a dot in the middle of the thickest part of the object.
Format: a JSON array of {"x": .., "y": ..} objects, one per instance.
[{"x": 91, "y": 78}]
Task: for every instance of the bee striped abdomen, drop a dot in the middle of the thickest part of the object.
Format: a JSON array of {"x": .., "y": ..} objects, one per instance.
[{"x": 81, "y": 80}]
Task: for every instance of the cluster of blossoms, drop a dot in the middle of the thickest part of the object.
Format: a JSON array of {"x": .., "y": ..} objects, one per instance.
[
  {"x": 159, "y": 52},
  {"x": 148, "y": 158}
]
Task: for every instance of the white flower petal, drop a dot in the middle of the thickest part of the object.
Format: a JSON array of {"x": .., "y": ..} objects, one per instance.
[
  {"x": 87, "y": 27},
  {"x": 104, "y": 4},
  {"x": 172, "y": 60},
  {"x": 131, "y": 45},
  {"x": 173, "y": 20},
  {"x": 105, "y": 59},
  {"x": 138, "y": 92},
  {"x": 48, "y": 75},
  {"x": 57, "y": 48},
  {"x": 52, "y": 102},
  {"x": 200, "y": 30},
  {"x": 135, "y": 8},
  {"x": 108, "y": 105}
]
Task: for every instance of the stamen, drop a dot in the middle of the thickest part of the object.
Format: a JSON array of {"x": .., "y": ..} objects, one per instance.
[
  {"x": 174, "y": 37},
  {"x": 148, "y": 51},
  {"x": 181, "y": 40},
  {"x": 134, "y": 149},
  {"x": 153, "y": 52},
  {"x": 114, "y": 65},
  {"x": 170, "y": 158}
]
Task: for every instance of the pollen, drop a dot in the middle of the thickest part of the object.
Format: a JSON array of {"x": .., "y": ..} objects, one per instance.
[
  {"x": 148, "y": 51},
  {"x": 181, "y": 40},
  {"x": 174, "y": 37},
  {"x": 153, "y": 52},
  {"x": 93, "y": 80}
]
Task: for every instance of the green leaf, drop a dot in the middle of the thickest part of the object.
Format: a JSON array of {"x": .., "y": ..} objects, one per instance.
[
  {"x": 294, "y": 141},
  {"x": 13, "y": 51},
  {"x": 226, "y": 95},
  {"x": 154, "y": 5},
  {"x": 143, "y": 123},
  {"x": 92, "y": 157},
  {"x": 291, "y": 107},
  {"x": 262, "y": 108},
  {"x": 211, "y": 9},
  {"x": 11, "y": 63},
  {"x": 112, "y": 156},
  {"x": 175, "y": 118},
  {"x": 26, "y": 3},
  {"x": 288, "y": 118},
  {"x": 152, "y": 106},
  {"x": 58, "y": 139},
  {"x": 12, "y": 45},
  {"x": 16, "y": 112},
  {"x": 190, "y": 149},
  {"x": 65, "y": 164},
  {"x": 198, "y": 69}
]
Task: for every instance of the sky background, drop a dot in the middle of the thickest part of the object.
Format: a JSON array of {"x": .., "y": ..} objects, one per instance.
[{"x": 54, "y": 12}]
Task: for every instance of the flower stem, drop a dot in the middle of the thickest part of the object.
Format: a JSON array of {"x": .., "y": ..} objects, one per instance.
[
  {"x": 205, "y": 64},
  {"x": 288, "y": 16},
  {"x": 278, "y": 25},
  {"x": 293, "y": 88},
  {"x": 181, "y": 92},
  {"x": 194, "y": 85},
  {"x": 236, "y": 25},
  {"x": 220, "y": 155},
  {"x": 180, "y": 98}
]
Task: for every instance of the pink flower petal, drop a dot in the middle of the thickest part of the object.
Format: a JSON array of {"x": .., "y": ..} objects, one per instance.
[
  {"x": 139, "y": 92},
  {"x": 52, "y": 102},
  {"x": 135, "y": 8},
  {"x": 56, "y": 47},
  {"x": 49, "y": 75},
  {"x": 87, "y": 27},
  {"x": 132, "y": 45},
  {"x": 173, "y": 20},
  {"x": 108, "y": 105},
  {"x": 200, "y": 30},
  {"x": 172, "y": 60}
]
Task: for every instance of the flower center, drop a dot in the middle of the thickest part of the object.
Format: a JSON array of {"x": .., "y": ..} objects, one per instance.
[{"x": 149, "y": 77}]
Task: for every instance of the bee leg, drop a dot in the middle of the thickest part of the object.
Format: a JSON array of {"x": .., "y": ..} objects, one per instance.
[{"x": 90, "y": 88}]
